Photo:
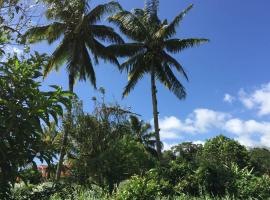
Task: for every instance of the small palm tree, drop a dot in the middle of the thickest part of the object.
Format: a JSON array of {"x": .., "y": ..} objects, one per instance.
[
  {"x": 150, "y": 52},
  {"x": 76, "y": 25},
  {"x": 142, "y": 133}
]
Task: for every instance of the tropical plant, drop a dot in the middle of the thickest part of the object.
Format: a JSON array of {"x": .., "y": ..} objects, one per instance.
[
  {"x": 24, "y": 109},
  {"x": 51, "y": 145},
  {"x": 141, "y": 131},
  {"x": 149, "y": 53},
  {"x": 77, "y": 25},
  {"x": 103, "y": 149}
]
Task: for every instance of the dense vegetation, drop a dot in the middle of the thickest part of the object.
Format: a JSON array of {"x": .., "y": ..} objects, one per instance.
[{"x": 110, "y": 153}]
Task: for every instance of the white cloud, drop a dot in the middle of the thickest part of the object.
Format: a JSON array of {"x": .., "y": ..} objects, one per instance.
[
  {"x": 258, "y": 99},
  {"x": 245, "y": 130},
  {"x": 199, "y": 121},
  {"x": 248, "y": 132},
  {"x": 228, "y": 98},
  {"x": 202, "y": 121},
  {"x": 205, "y": 119}
]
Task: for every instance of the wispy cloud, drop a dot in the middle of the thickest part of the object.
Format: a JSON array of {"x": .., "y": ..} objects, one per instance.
[
  {"x": 228, "y": 98},
  {"x": 258, "y": 99}
]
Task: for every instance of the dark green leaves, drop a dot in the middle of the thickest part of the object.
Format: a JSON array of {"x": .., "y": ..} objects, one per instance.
[{"x": 24, "y": 109}]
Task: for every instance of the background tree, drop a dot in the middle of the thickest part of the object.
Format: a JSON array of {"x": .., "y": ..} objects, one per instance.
[
  {"x": 78, "y": 25},
  {"x": 149, "y": 53},
  {"x": 51, "y": 146},
  {"x": 187, "y": 151},
  {"x": 142, "y": 133},
  {"x": 260, "y": 160},
  {"x": 103, "y": 148},
  {"x": 223, "y": 150}
]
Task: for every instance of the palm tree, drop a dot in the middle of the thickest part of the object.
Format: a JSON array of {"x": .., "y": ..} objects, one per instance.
[
  {"x": 76, "y": 25},
  {"x": 149, "y": 53},
  {"x": 51, "y": 139},
  {"x": 141, "y": 132}
]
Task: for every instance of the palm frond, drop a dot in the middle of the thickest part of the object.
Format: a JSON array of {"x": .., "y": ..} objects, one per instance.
[
  {"x": 59, "y": 56},
  {"x": 98, "y": 12},
  {"x": 87, "y": 66},
  {"x": 134, "y": 77},
  {"x": 166, "y": 31},
  {"x": 131, "y": 62},
  {"x": 100, "y": 51},
  {"x": 167, "y": 77},
  {"x": 172, "y": 62},
  {"x": 127, "y": 49},
  {"x": 130, "y": 25},
  {"x": 74, "y": 59},
  {"x": 177, "y": 45},
  {"x": 50, "y": 33},
  {"x": 106, "y": 34}
]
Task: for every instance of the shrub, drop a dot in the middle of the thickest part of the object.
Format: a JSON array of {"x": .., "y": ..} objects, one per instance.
[
  {"x": 41, "y": 192},
  {"x": 248, "y": 185},
  {"x": 81, "y": 193},
  {"x": 137, "y": 187}
]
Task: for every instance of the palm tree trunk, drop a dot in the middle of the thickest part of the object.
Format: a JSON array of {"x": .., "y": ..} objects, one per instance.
[
  {"x": 65, "y": 136},
  {"x": 155, "y": 112}
]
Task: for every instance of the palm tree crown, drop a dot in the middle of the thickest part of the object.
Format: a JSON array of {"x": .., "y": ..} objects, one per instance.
[
  {"x": 153, "y": 43},
  {"x": 77, "y": 25}
]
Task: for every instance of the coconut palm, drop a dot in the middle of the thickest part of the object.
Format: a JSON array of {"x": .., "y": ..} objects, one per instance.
[
  {"x": 142, "y": 133},
  {"x": 149, "y": 53},
  {"x": 76, "y": 25}
]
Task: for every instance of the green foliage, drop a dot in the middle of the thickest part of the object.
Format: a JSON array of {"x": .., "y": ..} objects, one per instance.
[
  {"x": 187, "y": 151},
  {"x": 124, "y": 159},
  {"x": 31, "y": 175},
  {"x": 103, "y": 148},
  {"x": 138, "y": 188},
  {"x": 24, "y": 108},
  {"x": 222, "y": 150},
  {"x": 215, "y": 179},
  {"x": 260, "y": 160},
  {"x": 141, "y": 133},
  {"x": 248, "y": 185},
  {"x": 42, "y": 191},
  {"x": 60, "y": 191}
]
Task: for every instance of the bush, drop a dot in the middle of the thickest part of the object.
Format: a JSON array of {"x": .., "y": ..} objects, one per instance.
[
  {"x": 138, "y": 188},
  {"x": 215, "y": 179},
  {"x": 41, "y": 192},
  {"x": 248, "y": 185},
  {"x": 82, "y": 193}
]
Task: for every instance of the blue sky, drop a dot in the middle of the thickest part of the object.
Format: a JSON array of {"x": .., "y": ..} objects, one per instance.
[{"x": 235, "y": 64}]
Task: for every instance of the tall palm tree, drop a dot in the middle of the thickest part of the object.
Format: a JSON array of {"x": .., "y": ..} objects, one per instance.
[
  {"x": 149, "y": 53},
  {"x": 76, "y": 25},
  {"x": 142, "y": 133}
]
